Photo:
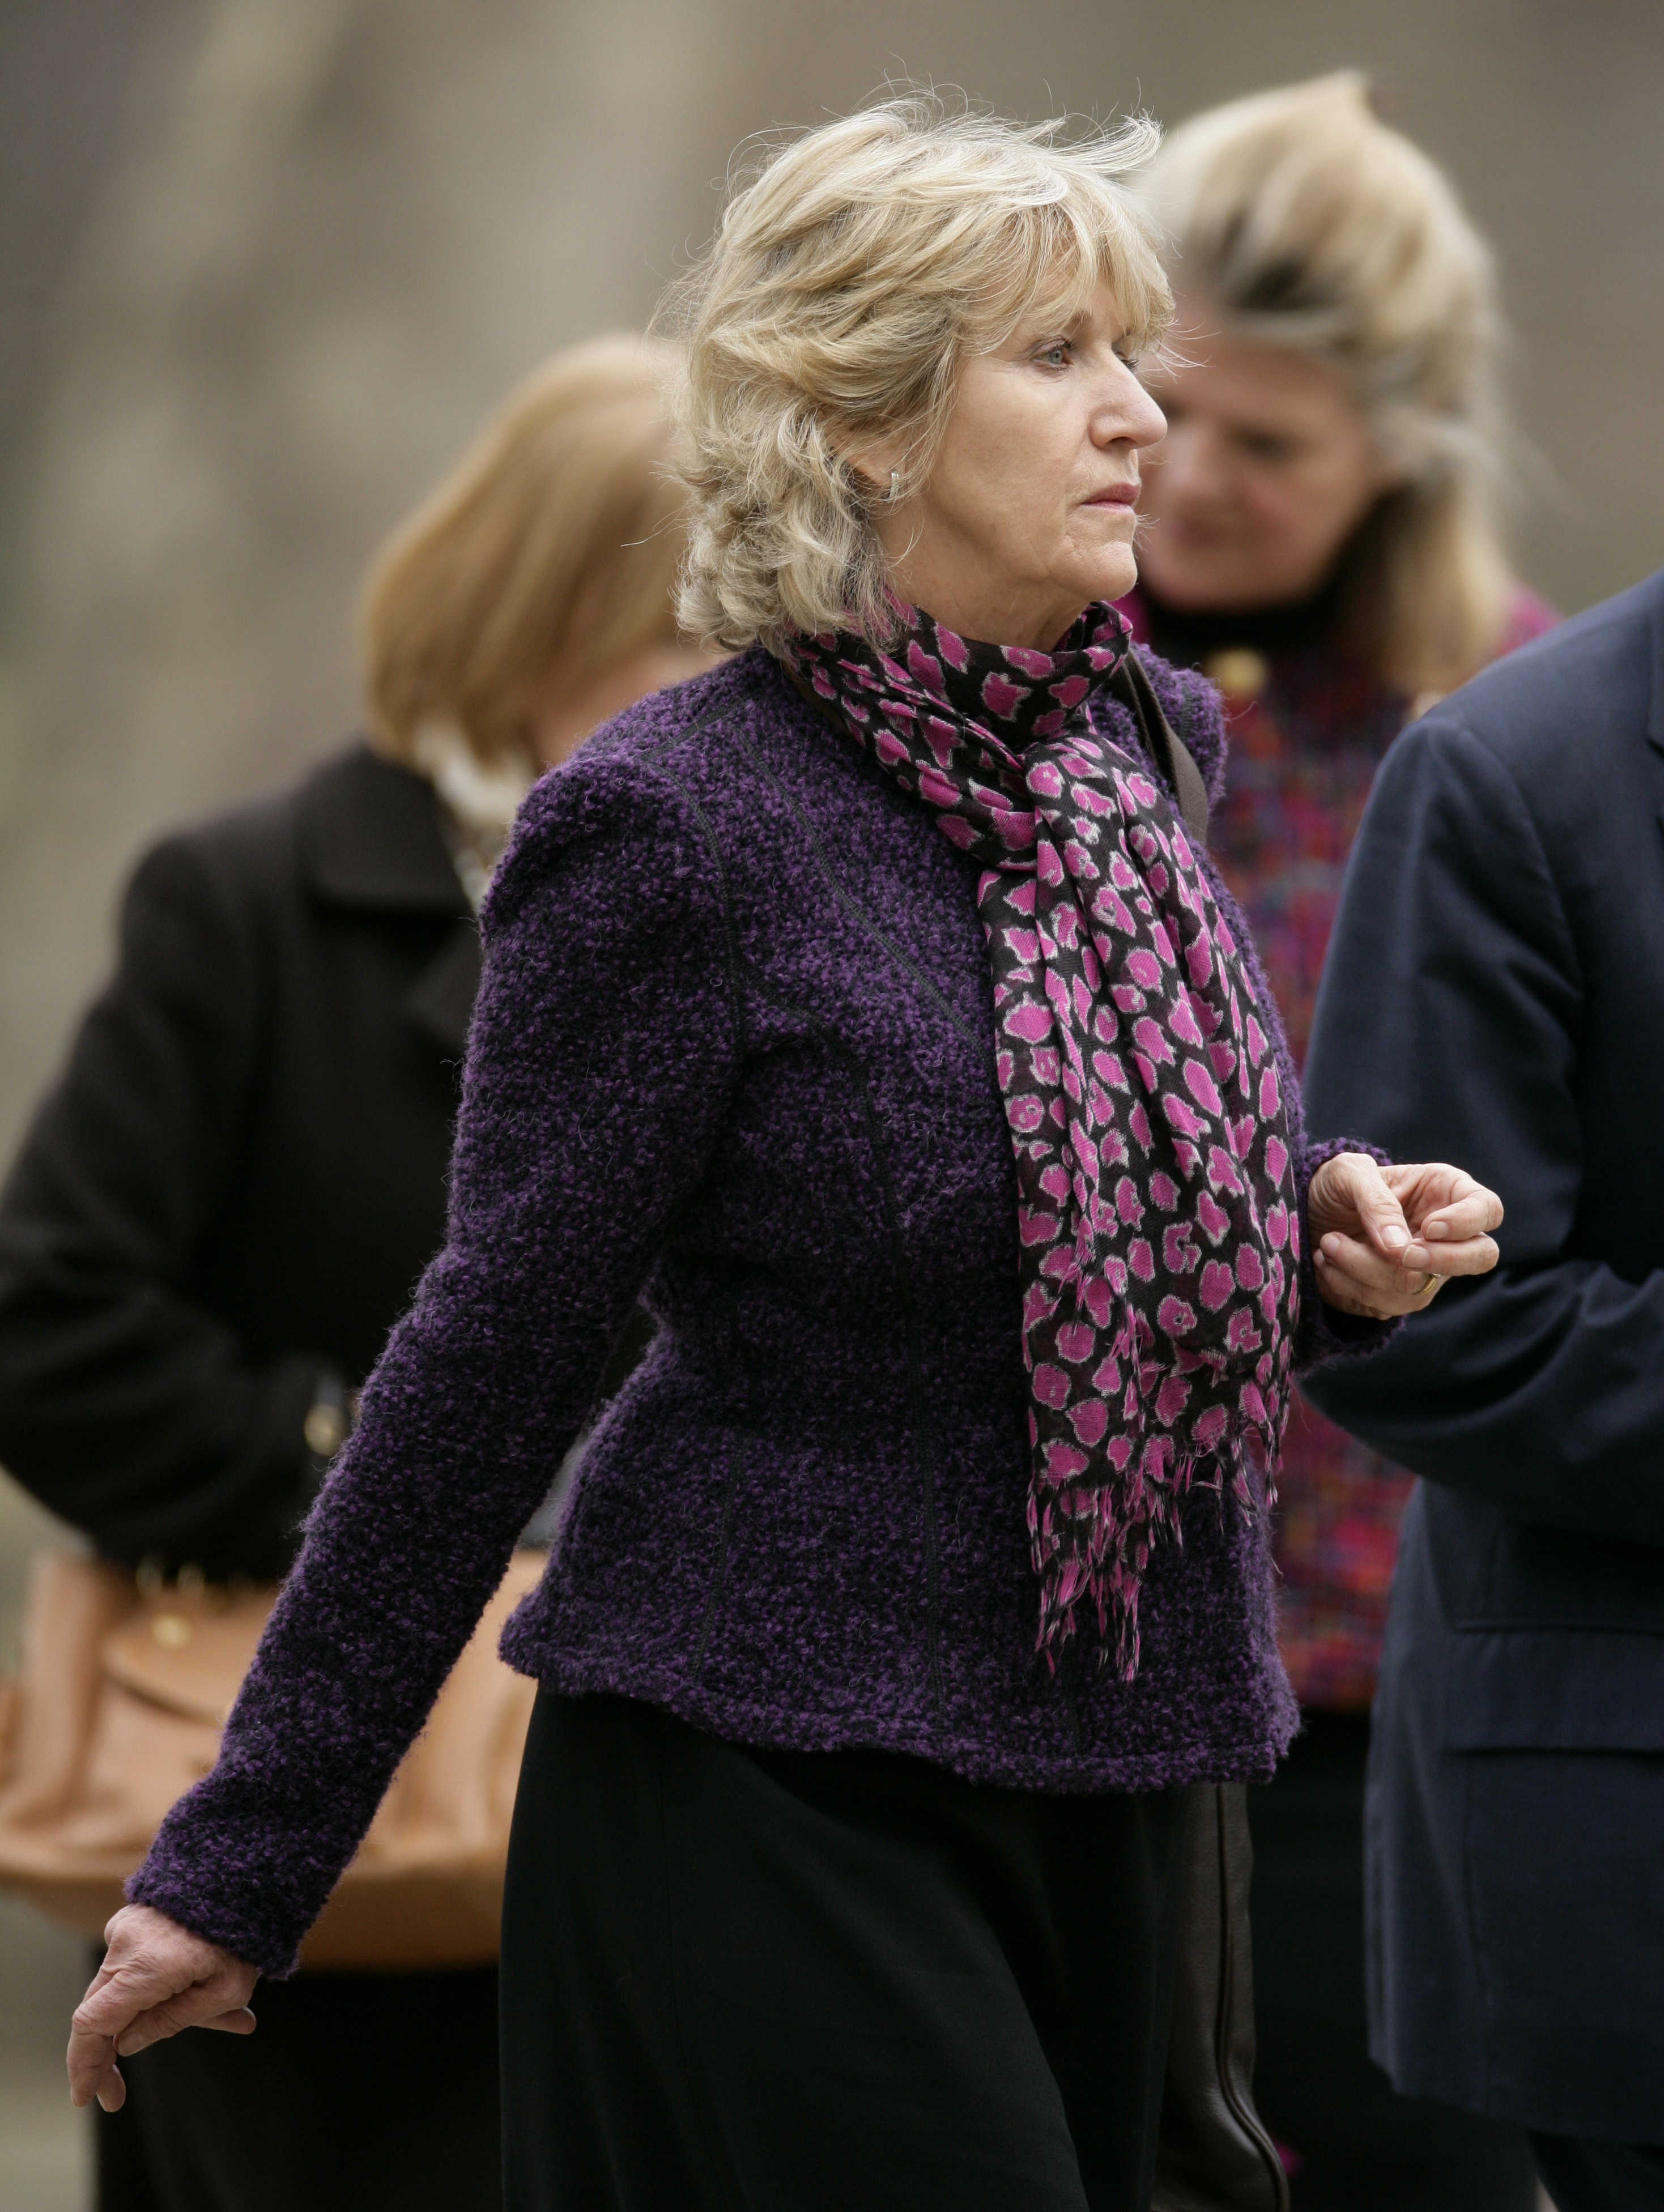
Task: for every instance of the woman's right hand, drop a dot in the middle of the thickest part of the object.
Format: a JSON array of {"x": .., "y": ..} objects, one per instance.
[
  {"x": 1385, "y": 1239},
  {"x": 156, "y": 1978}
]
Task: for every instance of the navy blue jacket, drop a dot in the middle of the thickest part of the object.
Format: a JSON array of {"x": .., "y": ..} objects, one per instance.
[{"x": 1494, "y": 996}]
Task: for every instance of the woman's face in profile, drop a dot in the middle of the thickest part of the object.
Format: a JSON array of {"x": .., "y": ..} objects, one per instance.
[
  {"x": 1029, "y": 512},
  {"x": 1266, "y": 470}
]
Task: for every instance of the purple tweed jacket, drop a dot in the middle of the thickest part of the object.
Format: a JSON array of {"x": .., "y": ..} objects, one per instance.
[{"x": 733, "y": 1045}]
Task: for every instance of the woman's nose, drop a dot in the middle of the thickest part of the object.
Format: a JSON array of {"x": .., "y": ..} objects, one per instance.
[
  {"x": 1126, "y": 414},
  {"x": 1128, "y": 417}
]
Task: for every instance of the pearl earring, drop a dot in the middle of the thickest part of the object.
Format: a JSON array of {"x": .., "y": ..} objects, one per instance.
[{"x": 894, "y": 492}]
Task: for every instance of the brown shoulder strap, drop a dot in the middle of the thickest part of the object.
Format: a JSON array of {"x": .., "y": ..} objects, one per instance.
[{"x": 1132, "y": 685}]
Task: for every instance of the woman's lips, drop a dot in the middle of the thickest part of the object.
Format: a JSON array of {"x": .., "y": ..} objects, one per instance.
[{"x": 1115, "y": 494}]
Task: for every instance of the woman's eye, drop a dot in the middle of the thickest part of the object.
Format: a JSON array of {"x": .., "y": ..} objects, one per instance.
[
  {"x": 1265, "y": 446},
  {"x": 1055, "y": 356}
]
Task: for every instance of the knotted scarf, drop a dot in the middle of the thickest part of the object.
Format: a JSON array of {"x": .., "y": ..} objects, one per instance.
[{"x": 1157, "y": 1215}]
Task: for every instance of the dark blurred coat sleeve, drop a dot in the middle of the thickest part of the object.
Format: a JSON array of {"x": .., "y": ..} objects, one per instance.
[
  {"x": 126, "y": 1404},
  {"x": 1454, "y": 1023},
  {"x": 1494, "y": 996}
]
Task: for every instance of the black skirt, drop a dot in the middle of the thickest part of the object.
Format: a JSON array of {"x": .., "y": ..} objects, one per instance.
[
  {"x": 811, "y": 1981},
  {"x": 357, "y": 2093}
]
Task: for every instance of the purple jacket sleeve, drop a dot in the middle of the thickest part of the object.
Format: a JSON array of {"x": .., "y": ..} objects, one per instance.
[
  {"x": 604, "y": 1043},
  {"x": 1325, "y": 1332}
]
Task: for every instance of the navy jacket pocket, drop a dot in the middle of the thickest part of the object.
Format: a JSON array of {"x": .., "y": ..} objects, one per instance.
[{"x": 1554, "y": 1689}]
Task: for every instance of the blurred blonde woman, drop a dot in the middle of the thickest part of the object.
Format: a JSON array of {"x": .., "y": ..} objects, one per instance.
[
  {"x": 222, "y": 1207},
  {"x": 529, "y": 598},
  {"x": 1321, "y": 537}
]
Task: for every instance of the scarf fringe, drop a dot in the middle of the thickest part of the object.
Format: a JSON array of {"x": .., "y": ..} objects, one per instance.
[{"x": 1159, "y": 1477}]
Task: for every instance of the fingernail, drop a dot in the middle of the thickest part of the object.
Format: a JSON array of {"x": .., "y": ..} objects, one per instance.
[
  {"x": 1413, "y": 1256},
  {"x": 1436, "y": 1228},
  {"x": 1394, "y": 1236}
]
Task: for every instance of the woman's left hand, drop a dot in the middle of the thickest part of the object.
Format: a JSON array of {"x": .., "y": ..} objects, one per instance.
[{"x": 1385, "y": 1239}]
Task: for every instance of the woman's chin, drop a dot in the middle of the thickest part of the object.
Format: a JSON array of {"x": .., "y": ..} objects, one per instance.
[{"x": 1116, "y": 576}]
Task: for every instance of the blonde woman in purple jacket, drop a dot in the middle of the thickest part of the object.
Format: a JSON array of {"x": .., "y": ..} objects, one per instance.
[{"x": 872, "y": 1003}]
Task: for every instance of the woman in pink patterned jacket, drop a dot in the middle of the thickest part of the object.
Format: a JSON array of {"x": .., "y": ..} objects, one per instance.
[{"x": 1319, "y": 538}]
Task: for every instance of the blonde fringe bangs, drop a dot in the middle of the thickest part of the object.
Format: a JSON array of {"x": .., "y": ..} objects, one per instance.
[{"x": 850, "y": 277}]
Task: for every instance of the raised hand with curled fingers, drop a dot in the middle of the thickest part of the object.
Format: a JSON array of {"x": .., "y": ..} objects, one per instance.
[
  {"x": 156, "y": 1978},
  {"x": 1385, "y": 1239}
]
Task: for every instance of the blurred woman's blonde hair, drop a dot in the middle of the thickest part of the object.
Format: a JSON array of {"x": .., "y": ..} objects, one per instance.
[
  {"x": 849, "y": 279},
  {"x": 1298, "y": 220},
  {"x": 549, "y": 553}
]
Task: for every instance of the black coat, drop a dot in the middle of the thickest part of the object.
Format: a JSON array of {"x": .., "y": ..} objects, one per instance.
[
  {"x": 229, "y": 1196},
  {"x": 1494, "y": 996},
  {"x": 220, "y": 1209}
]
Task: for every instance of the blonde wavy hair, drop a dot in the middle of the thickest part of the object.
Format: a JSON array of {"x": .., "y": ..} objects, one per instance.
[
  {"x": 1299, "y": 220},
  {"x": 550, "y": 549},
  {"x": 853, "y": 271}
]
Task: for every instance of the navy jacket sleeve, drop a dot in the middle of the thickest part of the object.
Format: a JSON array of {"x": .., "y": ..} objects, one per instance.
[
  {"x": 126, "y": 1405},
  {"x": 1448, "y": 1028}
]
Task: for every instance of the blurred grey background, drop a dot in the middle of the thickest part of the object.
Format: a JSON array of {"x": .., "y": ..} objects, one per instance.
[{"x": 264, "y": 264}]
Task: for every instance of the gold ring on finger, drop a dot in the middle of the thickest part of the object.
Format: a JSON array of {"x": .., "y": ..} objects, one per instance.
[{"x": 1429, "y": 1281}]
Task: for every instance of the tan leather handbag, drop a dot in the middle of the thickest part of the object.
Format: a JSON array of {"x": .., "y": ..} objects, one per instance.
[{"x": 117, "y": 1709}]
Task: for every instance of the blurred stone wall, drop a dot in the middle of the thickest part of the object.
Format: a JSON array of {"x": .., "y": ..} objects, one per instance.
[
  {"x": 329, "y": 231},
  {"x": 268, "y": 262}
]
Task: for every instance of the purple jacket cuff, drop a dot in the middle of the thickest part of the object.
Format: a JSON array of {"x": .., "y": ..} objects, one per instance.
[
  {"x": 181, "y": 1891},
  {"x": 1325, "y": 1332}
]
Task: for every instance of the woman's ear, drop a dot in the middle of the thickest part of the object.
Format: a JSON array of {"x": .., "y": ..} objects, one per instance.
[{"x": 878, "y": 466}]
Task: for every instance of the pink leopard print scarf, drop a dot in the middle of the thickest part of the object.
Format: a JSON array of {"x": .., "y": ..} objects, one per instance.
[{"x": 1157, "y": 1214}]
